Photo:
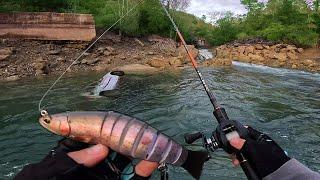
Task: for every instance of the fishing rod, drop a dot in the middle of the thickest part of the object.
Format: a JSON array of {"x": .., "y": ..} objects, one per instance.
[{"x": 226, "y": 129}]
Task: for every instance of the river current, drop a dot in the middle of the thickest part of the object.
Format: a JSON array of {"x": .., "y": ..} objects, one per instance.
[{"x": 283, "y": 103}]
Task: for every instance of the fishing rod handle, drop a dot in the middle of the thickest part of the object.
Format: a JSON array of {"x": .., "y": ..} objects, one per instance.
[{"x": 246, "y": 167}]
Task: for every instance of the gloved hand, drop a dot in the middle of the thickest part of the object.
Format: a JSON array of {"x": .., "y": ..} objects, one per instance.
[
  {"x": 265, "y": 155},
  {"x": 75, "y": 160}
]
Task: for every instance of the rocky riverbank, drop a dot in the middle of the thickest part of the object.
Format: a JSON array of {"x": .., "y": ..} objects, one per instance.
[
  {"x": 268, "y": 54},
  {"x": 31, "y": 58}
]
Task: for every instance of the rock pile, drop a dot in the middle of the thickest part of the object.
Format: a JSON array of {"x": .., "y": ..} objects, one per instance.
[
  {"x": 278, "y": 55},
  {"x": 177, "y": 59}
]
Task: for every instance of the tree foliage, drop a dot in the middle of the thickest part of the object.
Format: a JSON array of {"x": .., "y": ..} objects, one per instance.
[{"x": 288, "y": 21}]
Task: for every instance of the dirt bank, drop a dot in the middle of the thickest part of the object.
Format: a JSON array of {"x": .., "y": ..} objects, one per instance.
[{"x": 33, "y": 58}]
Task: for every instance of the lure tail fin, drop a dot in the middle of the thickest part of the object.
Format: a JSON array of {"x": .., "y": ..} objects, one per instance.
[{"x": 194, "y": 162}]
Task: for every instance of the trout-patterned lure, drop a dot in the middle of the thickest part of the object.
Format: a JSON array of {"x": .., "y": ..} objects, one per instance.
[{"x": 125, "y": 135}]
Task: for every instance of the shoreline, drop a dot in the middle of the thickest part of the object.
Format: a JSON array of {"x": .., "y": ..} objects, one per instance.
[{"x": 21, "y": 59}]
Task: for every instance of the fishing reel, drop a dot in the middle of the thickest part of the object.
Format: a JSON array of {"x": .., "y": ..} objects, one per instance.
[{"x": 210, "y": 143}]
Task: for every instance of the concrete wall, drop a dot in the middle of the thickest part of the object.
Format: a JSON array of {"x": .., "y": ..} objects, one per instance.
[{"x": 47, "y": 26}]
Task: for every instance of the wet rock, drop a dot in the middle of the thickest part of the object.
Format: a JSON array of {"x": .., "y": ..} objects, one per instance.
[
  {"x": 300, "y": 50},
  {"x": 12, "y": 78},
  {"x": 294, "y": 66}
]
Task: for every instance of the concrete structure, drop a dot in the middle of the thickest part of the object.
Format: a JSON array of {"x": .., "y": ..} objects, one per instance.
[{"x": 47, "y": 26}]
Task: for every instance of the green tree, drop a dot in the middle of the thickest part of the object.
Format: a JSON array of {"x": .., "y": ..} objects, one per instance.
[{"x": 252, "y": 5}]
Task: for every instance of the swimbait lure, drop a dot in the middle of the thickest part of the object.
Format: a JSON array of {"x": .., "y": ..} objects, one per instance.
[{"x": 125, "y": 135}]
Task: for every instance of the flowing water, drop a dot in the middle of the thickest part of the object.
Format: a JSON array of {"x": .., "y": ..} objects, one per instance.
[{"x": 283, "y": 103}]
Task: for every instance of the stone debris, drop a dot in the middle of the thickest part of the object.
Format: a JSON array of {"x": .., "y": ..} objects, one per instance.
[{"x": 274, "y": 55}]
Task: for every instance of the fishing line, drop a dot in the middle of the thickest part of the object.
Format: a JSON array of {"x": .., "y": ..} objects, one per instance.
[{"x": 80, "y": 56}]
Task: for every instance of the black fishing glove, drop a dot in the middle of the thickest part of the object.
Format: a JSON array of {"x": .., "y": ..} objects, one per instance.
[
  {"x": 264, "y": 154},
  {"x": 59, "y": 166}
]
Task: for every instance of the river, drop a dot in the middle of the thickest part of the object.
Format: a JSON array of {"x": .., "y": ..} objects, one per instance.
[{"x": 282, "y": 103}]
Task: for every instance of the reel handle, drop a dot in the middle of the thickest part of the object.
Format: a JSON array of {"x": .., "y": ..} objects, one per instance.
[{"x": 191, "y": 138}]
